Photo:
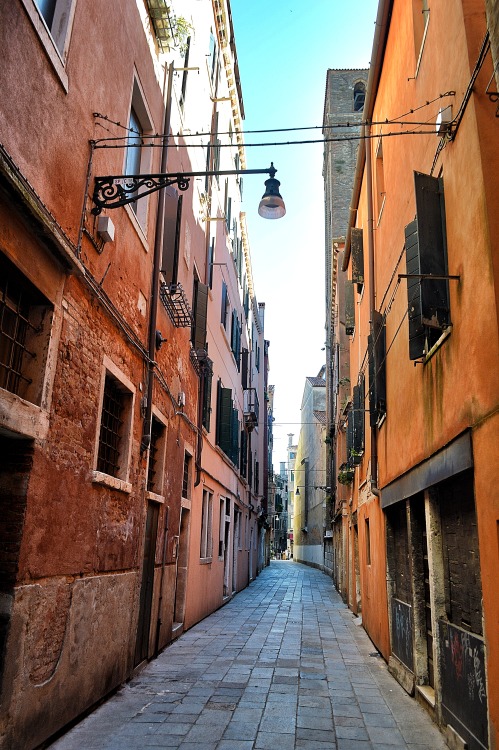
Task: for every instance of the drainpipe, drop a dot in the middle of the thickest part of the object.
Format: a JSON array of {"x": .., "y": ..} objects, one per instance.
[
  {"x": 158, "y": 247},
  {"x": 372, "y": 295}
]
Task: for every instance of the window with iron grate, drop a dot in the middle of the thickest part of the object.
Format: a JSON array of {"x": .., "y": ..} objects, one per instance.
[
  {"x": 111, "y": 428},
  {"x": 25, "y": 323},
  {"x": 186, "y": 479}
]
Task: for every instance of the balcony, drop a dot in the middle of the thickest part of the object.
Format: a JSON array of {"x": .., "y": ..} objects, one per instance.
[{"x": 251, "y": 409}]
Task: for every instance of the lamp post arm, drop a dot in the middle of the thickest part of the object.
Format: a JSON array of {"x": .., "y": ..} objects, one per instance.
[{"x": 113, "y": 191}]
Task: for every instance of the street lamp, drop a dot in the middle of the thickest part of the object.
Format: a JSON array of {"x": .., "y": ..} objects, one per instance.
[{"x": 113, "y": 191}]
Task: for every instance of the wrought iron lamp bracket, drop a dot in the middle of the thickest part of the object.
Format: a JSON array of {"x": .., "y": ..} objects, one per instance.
[{"x": 115, "y": 191}]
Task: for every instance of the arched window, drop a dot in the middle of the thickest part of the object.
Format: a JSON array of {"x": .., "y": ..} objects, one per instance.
[{"x": 359, "y": 95}]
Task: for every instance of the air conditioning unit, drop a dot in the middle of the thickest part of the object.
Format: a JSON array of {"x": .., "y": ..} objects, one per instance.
[{"x": 444, "y": 119}]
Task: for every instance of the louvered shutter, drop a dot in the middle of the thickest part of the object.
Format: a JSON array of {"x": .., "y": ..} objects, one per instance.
[
  {"x": 357, "y": 251},
  {"x": 171, "y": 235},
  {"x": 200, "y": 315},
  {"x": 224, "y": 421},
  {"x": 377, "y": 369},
  {"x": 244, "y": 368},
  {"x": 349, "y": 309}
]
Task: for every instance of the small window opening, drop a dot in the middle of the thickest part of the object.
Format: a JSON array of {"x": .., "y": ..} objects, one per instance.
[{"x": 110, "y": 440}]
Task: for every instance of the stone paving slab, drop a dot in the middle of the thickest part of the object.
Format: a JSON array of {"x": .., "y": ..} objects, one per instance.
[{"x": 283, "y": 666}]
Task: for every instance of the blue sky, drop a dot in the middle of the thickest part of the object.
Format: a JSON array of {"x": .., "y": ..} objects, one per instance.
[{"x": 284, "y": 50}]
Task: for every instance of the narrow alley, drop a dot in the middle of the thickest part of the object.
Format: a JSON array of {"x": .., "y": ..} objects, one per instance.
[{"x": 283, "y": 666}]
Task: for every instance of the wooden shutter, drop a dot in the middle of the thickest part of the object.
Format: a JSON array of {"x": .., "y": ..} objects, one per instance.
[
  {"x": 349, "y": 309},
  {"x": 224, "y": 419},
  {"x": 200, "y": 315},
  {"x": 171, "y": 235},
  {"x": 244, "y": 453},
  {"x": 358, "y": 420},
  {"x": 357, "y": 250},
  {"x": 244, "y": 368},
  {"x": 414, "y": 302},
  {"x": 426, "y": 253},
  {"x": 207, "y": 383},
  {"x": 377, "y": 369},
  {"x": 234, "y": 438}
]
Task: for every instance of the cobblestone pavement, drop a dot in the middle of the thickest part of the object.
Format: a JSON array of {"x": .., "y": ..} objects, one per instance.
[{"x": 283, "y": 666}]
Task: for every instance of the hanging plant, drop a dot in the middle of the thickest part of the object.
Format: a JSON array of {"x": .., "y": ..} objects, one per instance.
[{"x": 345, "y": 476}]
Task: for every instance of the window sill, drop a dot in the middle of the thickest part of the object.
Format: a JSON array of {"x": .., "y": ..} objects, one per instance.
[
  {"x": 205, "y": 560},
  {"x": 155, "y": 498},
  {"x": 22, "y": 417},
  {"x": 98, "y": 477}
]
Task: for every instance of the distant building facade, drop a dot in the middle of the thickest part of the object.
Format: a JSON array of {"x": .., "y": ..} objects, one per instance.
[{"x": 310, "y": 476}]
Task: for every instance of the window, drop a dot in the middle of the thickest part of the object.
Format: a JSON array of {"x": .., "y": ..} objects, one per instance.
[
  {"x": 224, "y": 312},
  {"x": 206, "y": 545},
  {"x": 115, "y": 438},
  {"x": 25, "y": 324},
  {"x": 359, "y": 96},
  {"x": 212, "y": 57},
  {"x": 420, "y": 17},
  {"x": 380, "y": 180},
  {"x": 183, "y": 88},
  {"x": 156, "y": 457},
  {"x": 58, "y": 17},
  {"x": 137, "y": 156},
  {"x": 426, "y": 253},
  {"x": 186, "y": 477}
]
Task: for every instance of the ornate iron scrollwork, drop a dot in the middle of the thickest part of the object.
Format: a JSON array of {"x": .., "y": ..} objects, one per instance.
[{"x": 115, "y": 191}]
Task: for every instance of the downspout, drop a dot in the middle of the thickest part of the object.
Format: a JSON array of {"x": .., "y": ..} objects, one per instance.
[
  {"x": 158, "y": 248},
  {"x": 372, "y": 295},
  {"x": 199, "y": 441},
  {"x": 153, "y": 316}
]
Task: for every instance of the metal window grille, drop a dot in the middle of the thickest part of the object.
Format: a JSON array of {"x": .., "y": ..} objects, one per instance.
[
  {"x": 156, "y": 433},
  {"x": 14, "y": 327},
  {"x": 110, "y": 440}
]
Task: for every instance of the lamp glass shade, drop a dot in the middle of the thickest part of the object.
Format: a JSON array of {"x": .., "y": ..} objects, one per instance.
[{"x": 272, "y": 205}]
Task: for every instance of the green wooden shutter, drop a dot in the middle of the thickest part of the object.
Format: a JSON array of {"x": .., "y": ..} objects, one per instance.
[
  {"x": 244, "y": 368},
  {"x": 224, "y": 421},
  {"x": 357, "y": 251},
  {"x": 207, "y": 385}
]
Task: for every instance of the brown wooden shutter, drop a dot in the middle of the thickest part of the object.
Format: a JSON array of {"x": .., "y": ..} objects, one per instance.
[
  {"x": 171, "y": 235},
  {"x": 349, "y": 309}
]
